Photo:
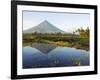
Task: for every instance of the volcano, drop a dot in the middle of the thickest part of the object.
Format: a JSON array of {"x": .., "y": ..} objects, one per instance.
[{"x": 44, "y": 27}]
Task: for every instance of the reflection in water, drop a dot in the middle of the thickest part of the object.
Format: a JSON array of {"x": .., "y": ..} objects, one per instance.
[
  {"x": 44, "y": 48},
  {"x": 45, "y": 55}
]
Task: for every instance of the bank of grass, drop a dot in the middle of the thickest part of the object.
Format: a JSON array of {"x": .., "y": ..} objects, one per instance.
[
  {"x": 67, "y": 44},
  {"x": 57, "y": 40},
  {"x": 60, "y": 43}
]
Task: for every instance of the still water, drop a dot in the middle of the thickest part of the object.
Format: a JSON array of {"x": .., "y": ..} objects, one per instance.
[{"x": 43, "y": 56}]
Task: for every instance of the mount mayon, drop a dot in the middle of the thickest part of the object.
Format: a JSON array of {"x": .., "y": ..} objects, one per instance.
[{"x": 44, "y": 27}]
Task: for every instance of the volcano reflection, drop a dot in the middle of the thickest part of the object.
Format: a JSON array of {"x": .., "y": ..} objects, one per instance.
[{"x": 45, "y": 55}]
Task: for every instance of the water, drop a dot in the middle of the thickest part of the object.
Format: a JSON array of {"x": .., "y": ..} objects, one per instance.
[{"x": 41, "y": 56}]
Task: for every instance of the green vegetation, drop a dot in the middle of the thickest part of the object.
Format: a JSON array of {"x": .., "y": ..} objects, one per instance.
[{"x": 79, "y": 39}]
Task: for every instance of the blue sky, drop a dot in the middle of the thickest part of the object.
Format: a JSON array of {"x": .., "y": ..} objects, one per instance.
[{"x": 68, "y": 22}]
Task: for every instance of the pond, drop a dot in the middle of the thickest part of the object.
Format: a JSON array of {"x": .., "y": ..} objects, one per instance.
[{"x": 45, "y": 55}]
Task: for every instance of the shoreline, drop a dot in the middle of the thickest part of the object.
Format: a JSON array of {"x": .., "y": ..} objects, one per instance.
[{"x": 77, "y": 46}]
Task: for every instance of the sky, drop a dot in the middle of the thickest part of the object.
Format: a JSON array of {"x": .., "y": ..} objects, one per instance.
[{"x": 67, "y": 22}]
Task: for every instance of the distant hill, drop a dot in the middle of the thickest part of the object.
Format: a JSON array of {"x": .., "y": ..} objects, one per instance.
[{"x": 44, "y": 27}]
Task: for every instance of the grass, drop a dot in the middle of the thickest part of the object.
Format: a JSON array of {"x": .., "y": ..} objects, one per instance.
[{"x": 57, "y": 40}]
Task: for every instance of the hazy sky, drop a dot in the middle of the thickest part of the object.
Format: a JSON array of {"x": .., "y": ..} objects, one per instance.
[{"x": 65, "y": 21}]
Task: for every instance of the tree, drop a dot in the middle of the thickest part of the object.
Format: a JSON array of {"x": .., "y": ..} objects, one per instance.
[{"x": 83, "y": 33}]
